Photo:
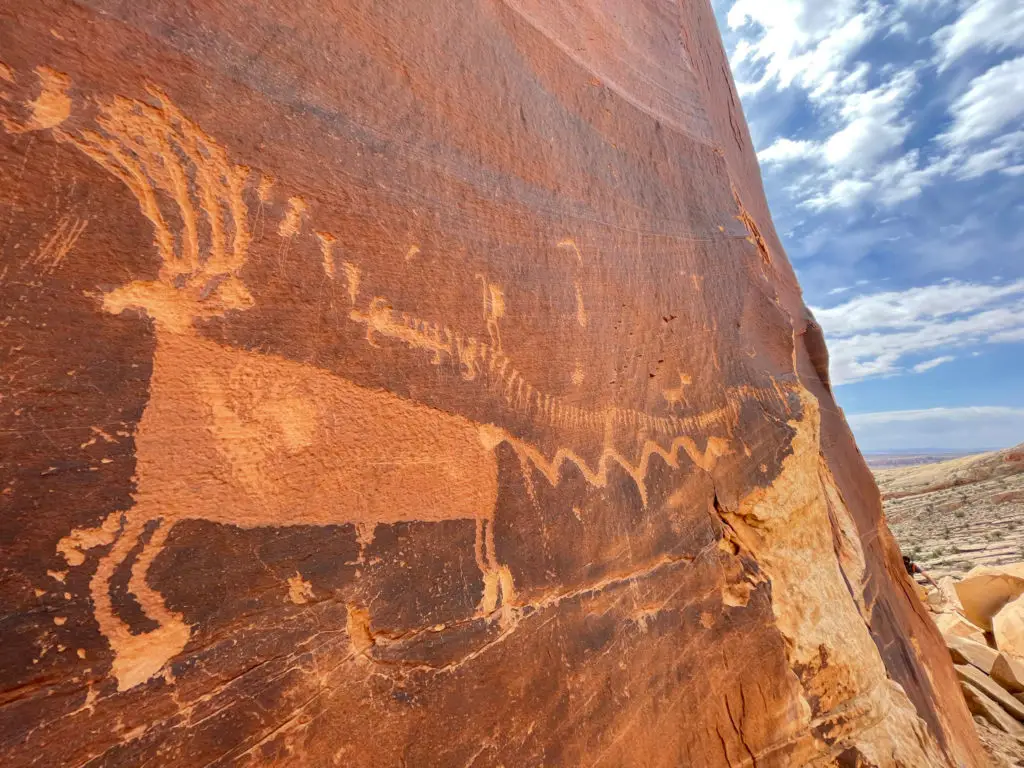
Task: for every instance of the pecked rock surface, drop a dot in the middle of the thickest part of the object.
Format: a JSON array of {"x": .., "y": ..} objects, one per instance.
[{"x": 423, "y": 384}]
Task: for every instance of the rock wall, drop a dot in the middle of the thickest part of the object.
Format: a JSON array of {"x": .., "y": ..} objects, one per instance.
[{"x": 423, "y": 384}]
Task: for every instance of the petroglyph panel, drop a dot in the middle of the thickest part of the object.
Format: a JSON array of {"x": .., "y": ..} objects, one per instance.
[{"x": 371, "y": 398}]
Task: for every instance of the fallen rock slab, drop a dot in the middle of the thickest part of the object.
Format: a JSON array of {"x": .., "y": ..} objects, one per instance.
[
  {"x": 947, "y": 587},
  {"x": 955, "y": 625},
  {"x": 992, "y": 689},
  {"x": 1008, "y": 671},
  {"x": 1008, "y": 628},
  {"x": 981, "y": 704},
  {"x": 1004, "y": 750},
  {"x": 985, "y": 590},
  {"x": 965, "y": 651}
]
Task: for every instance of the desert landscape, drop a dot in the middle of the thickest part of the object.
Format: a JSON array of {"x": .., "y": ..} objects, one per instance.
[
  {"x": 960, "y": 521},
  {"x": 954, "y": 515}
]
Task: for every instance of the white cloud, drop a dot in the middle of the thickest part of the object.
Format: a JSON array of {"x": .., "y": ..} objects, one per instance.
[
  {"x": 873, "y": 124},
  {"x": 803, "y": 42},
  {"x": 856, "y": 162},
  {"x": 987, "y": 25},
  {"x": 785, "y": 150},
  {"x": 935, "y": 362},
  {"x": 999, "y": 157},
  {"x": 949, "y": 414},
  {"x": 1015, "y": 334},
  {"x": 867, "y": 355},
  {"x": 971, "y": 428},
  {"x": 871, "y": 335},
  {"x": 861, "y": 158},
  {"x": 844, "y": 193},
  {"x": 913, "y": 307},
  {"x": 992, "y": 100}
]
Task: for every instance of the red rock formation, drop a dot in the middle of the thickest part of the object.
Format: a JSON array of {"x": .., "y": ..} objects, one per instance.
[{"x": 423, "y": 384}]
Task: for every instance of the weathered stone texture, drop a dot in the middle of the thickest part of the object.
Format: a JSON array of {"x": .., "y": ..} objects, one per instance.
[{"x": 413, "y": 383}]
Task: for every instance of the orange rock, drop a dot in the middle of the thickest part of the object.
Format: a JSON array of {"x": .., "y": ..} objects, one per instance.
[
  {"x": 424, "y": 383},
  {"x": 1008, "y": 628},
  {"x": 1008, "y": 671},
  {"x": 955, "y": 625},
  {"x": 965, "y": 651},
  {"x": 985, "y": 706},
  {"x": 986, "y": 589},
  {"x": 993, "y": 690}
]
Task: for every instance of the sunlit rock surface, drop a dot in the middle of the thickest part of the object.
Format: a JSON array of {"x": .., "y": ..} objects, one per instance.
[{"x": 423, "y": 384}]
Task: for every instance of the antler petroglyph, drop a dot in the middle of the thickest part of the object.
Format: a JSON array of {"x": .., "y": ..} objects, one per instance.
[{"x": 182, "y": 180}]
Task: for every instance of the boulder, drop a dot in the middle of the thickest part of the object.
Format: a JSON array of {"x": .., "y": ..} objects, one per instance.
[
  {"x": 986, "y": 589},
  {"x": 1008, "y": 628},
  {"x": 981, "y": 704},
  {"x": 965, "y": 651},
  {"x": 1008, "y": 671},
  {"x": 423, "y": 383},
  {"x": 955, "y": 625},
  {"x": 993, "y": 690},
  {"x": 934, "y": 600},
  {"x": 947, "y": 588}
]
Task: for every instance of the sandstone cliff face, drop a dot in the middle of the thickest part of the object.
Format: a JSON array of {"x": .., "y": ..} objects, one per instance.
[{"x": 423, "y": 384}]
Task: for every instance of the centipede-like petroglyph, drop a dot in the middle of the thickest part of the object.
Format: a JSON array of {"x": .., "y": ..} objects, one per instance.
[{"x": 255, "y": 440}]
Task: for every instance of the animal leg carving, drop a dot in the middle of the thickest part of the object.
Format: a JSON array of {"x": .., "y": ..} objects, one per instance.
[
  {"x": 498, "y": 588},
  {"x": 137, "y": 657},
  {"x": 170, "y": 638}
]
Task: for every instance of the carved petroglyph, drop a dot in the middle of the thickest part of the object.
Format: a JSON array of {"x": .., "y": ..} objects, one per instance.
[
  {"x": 49, "y": 109},
  {"x": 53, "y": 105},
  {"x": 292, "y": 221},
  {"x": 494, "y": 310},
  {"x": 578, "y": 374},
  {"x": 257, "y": 441},
  {"x": 300, "y": 591},
  {"x": 581, "y": 312},
  {"x": 244, "y": 439},
  {"x": 327, "y": 241},
  {"x": 56, "y": 246},
  {"x": 597, "y": 477},
  {"x": 155, "y": 149},
  {"x": 677, "y": 396},
  {"x": 252, "y": 440},
  {"x": 264, "y": 187},
  {"x": 480, "y": 360},
  {"x": 360, "y": 634},
  {"x": 352, "y": 276}
]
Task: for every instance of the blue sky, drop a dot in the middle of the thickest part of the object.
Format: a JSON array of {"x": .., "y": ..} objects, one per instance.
[{"x": 891, "y": 141}]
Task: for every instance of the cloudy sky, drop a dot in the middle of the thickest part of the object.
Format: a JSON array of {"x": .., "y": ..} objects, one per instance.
[{"x": 891, "y": 140}]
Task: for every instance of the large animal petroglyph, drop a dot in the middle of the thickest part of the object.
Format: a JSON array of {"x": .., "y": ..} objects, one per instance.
[
  {"x": 254, "y": 440},
  {"x": 240, "y": 438}
]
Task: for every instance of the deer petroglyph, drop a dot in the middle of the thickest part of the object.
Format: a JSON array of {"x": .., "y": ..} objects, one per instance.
[
  {"x": 246, "y": 439},
  {"x": 254, "y": 440}
]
